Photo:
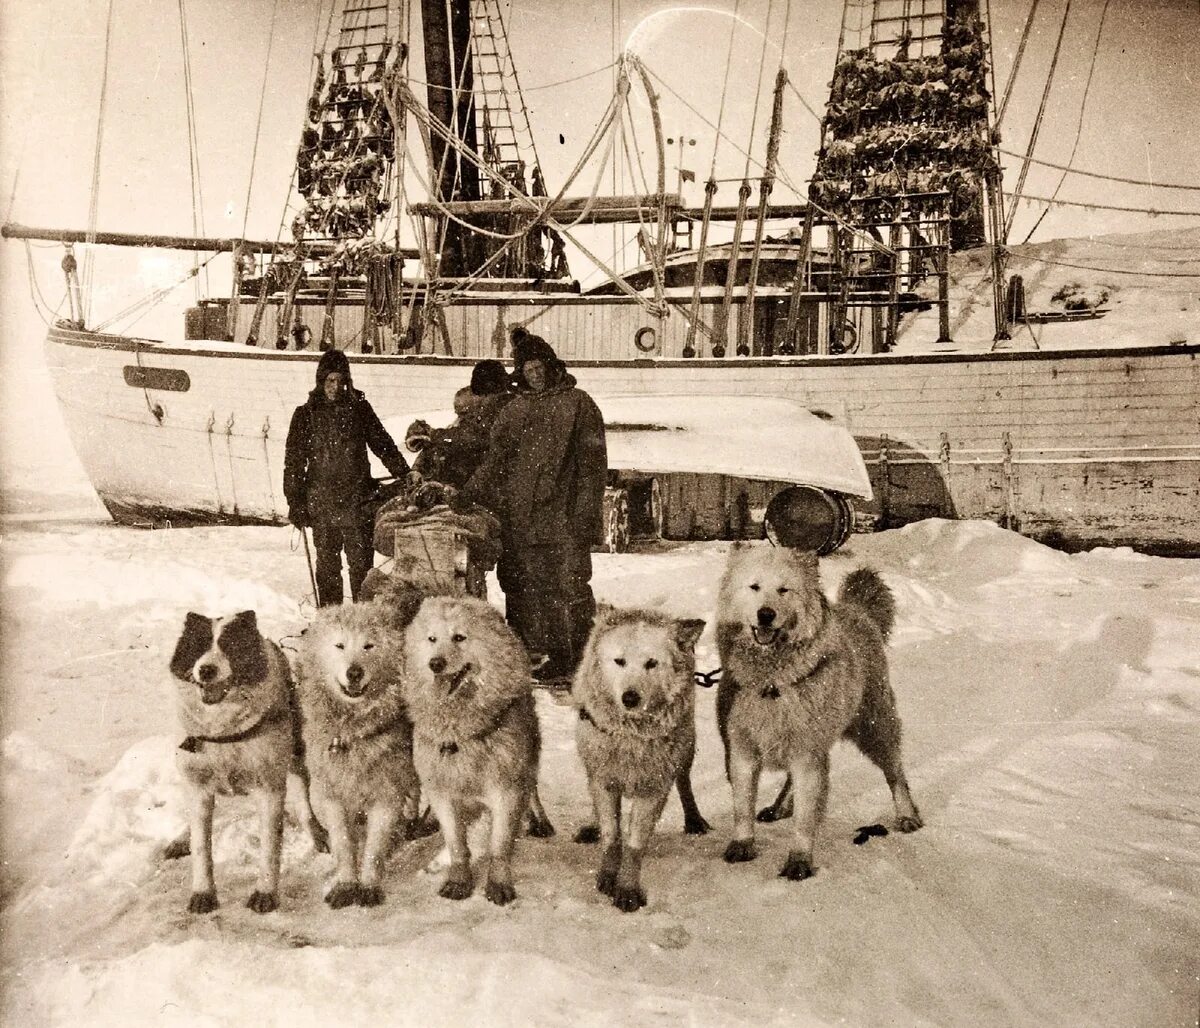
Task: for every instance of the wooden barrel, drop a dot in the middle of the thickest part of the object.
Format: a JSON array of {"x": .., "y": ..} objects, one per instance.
[{"x": 806, "y": 518}]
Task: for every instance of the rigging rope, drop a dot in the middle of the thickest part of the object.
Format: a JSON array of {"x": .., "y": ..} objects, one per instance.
[
  {"x": 1012, "y": 75},
  {"x": 1037, "y": 121},
  {"x": 94, "y": 204},
  {"x": 724, "y": 89},
  {"x": 1079, "y": 125},
  {"x": 193, "y": 139},
  {"x": 1109, "y": 271},
  {"x": 1106, "y": 178},
  {"x": 762, "y": 61},
  {"x": 1106, "y": 206},
  {"x": 262, "y": 97}
]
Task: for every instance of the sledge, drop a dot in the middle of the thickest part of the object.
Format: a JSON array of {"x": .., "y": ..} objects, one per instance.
[{"x": 785, "y": 442}]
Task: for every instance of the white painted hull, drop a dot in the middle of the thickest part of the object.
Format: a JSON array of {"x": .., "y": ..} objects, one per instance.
[{"x": 1076, "y": 446}]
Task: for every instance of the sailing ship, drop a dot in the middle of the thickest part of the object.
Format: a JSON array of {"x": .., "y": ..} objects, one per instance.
[{"x": 807, "y": 302}]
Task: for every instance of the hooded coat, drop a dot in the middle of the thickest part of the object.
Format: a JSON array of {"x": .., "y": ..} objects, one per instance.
[
  {"x": 326, "y": 470},
  {"x": 547, "y": 465}
]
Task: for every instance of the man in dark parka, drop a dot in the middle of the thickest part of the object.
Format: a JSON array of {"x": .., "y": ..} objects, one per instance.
[
  {"x": 327, "y": 474},
  {"x": 544, "y": 476}
]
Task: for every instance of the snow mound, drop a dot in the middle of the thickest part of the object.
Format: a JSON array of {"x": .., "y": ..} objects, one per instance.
[{"x": 139, "y": 808}]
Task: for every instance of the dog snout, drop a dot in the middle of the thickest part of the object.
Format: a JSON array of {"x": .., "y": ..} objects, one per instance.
[
  {"x": 207, "y": 672},
  {"x": 766, "y": 616},
  {"x": 437, "y": 665},
  {"x": 630, "y": 699},
  {"x": 354, "y": 674}
]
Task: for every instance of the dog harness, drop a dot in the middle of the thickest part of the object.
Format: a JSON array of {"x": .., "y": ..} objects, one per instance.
[{"x": 193, "y": 743}]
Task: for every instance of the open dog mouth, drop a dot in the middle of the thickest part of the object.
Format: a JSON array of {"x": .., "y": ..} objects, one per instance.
[
  {"x": 455, "y": 680},
  {"x": 353, "y": 690},
  {"x": 764, "y": 636}
]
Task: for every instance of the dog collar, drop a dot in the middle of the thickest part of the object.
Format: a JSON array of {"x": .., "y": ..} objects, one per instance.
[
  {"x": 772, "y": 692},
  {"x": 193, "y": 742},
  {"x": 451, "y": 746},
  {"x": 585, "y": 716},
  {"x": 341, "y": 743}
]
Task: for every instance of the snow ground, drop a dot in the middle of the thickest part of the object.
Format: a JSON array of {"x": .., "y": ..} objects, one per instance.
[
  {"x": 1052, "y": 711},
  {"x": 1051, "y": 705}
]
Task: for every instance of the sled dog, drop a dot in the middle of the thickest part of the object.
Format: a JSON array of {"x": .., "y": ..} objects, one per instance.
[
  {"x": 358, "y": 740},
  {"x": 800, "y": 673},
  {"x": 636, "y": 734},
  {"x": 236, "y": 707},
  {"x": 476, "y": 736}
]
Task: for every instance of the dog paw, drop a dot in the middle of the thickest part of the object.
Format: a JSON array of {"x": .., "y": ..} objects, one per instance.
[
  {"x": 909, "y": 824},
  {"x": 202, "y": 902},
  {"x": 739, "y": 851},
  {"x": 455, "y": 889},
  {"x": 343, "y": 894},
  {"x": 540, "y": 828},
  {"x": 606, "y": 881},
  {"x": 369, "y": 895},
  {"x": 628, "y": 898},
  {"x": 262, "y": 902},
  {"x": 180, "y": 847},
  {"x": 696, "y": 826},
  {"x": 796, "y": 868},
  {"x": 588, "y": 835},
  {"x": 500, "y": 893}
]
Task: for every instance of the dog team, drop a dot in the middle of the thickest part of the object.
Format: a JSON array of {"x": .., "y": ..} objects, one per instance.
[{"x": 409, "y": 699}]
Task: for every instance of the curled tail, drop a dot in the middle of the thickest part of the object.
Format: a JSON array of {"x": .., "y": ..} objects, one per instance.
[{"x": 864, "y": 588}]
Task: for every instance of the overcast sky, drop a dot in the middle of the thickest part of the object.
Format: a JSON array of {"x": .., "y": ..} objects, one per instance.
[{"x": 1140, "y": 120}]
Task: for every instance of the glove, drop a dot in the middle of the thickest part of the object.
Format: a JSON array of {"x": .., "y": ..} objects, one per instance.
[
  {"x": 417, "y": 435},
  {"x": 298, "y": 516}
]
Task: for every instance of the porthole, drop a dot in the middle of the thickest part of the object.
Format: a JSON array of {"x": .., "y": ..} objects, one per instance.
[{"x": 646, "y": 339}]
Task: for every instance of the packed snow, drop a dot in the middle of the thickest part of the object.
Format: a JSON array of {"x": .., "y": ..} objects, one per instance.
[{"x": 1051, "y": 705}]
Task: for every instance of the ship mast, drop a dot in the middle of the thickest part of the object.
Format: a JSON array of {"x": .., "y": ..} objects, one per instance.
[{"x": 906, "y": 150}]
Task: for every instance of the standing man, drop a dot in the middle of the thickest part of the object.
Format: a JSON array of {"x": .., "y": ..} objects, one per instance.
[
  {"x": 544, "y": 475},
  {"x": 327, "y": 474}
]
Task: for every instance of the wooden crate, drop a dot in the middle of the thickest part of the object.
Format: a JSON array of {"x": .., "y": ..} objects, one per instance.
[{"x": 439, "y": 560}]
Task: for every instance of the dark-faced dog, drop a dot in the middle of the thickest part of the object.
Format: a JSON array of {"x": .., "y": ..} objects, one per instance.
[{"x": 238, "y": 714}]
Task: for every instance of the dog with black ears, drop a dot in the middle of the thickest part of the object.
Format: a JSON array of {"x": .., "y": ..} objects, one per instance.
[{"x": 237, "y": 709}]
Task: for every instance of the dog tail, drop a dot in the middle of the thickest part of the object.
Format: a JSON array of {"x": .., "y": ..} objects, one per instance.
[{"x": 864, "y": 588}]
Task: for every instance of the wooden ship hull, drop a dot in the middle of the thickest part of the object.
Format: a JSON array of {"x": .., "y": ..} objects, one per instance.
[{"x": 1073, "y": 447}]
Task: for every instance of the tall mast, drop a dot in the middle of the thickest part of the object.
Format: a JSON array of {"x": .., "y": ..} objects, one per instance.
[{"x": 450, "y": 91}]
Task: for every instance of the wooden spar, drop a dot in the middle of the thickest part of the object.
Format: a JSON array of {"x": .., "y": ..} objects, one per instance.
[
  {"x": 202, "y": 243},
  {"x": 604, "y": 210}
]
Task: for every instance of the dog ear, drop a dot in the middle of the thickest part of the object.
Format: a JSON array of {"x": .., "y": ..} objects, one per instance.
[
  {"x": 687, "y": 633},
  {"x": 605, "y": 612},
  {"x": 246, "y": 620},
  {"x": 194, "y": 641},
  {"x": 241, "y": 642}
]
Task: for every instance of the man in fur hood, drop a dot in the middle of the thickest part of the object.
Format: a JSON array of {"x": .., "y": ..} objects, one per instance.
[
  {"x": 327, "y": 474},
  {"x": 451, "y": 455},
  {"x": 544, "y": 476}
]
